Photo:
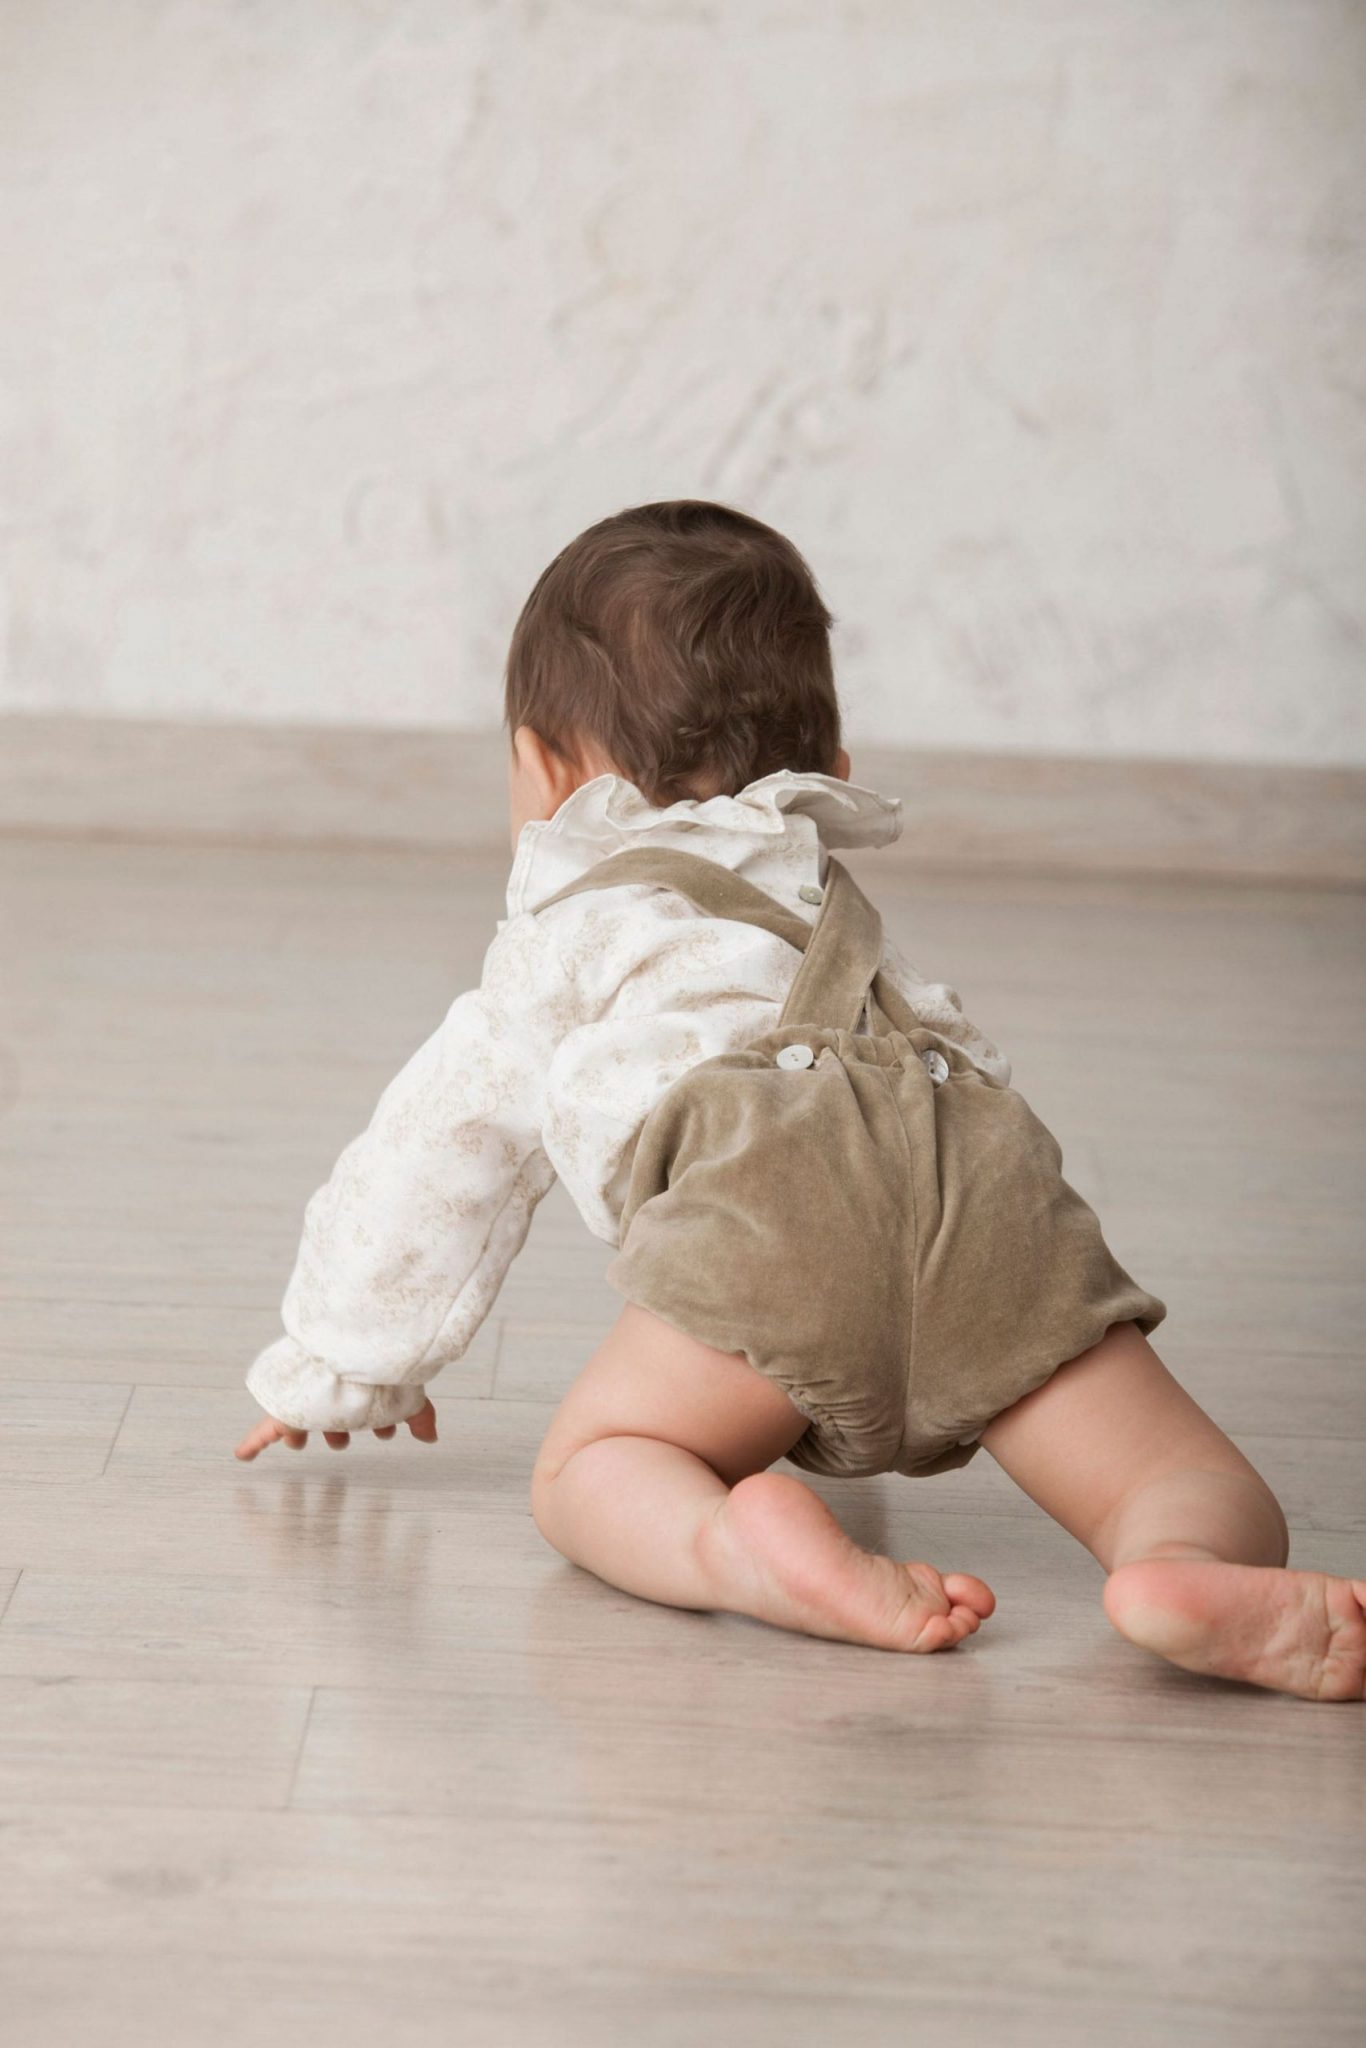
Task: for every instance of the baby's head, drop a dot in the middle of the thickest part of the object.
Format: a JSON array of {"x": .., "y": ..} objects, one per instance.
[{"x": 683, "y": 646}]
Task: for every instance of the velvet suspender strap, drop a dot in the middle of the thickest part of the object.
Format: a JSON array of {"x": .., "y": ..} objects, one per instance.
[{"x": 842, "y": 950}]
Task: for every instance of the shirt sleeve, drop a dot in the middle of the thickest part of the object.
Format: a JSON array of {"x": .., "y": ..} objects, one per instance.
[
  {"x": 942, "y": 1007},
  {"x": 406, "y": 1245}
]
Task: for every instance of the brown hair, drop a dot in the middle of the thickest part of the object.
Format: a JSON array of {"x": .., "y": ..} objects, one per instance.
[{"x": 688, "y": 643}]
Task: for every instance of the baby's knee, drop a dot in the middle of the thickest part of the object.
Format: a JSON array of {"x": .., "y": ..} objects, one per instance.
[
  {"x": 1277, "y": 1526},
  {"x": 543, "y": 1498},
  {"x": 1268, "y": 1530},
  {"x": 546, "y": 1495}
]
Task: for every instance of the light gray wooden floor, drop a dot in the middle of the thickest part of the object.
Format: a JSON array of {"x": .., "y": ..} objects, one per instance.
[{"x": 333, "y": 1749}]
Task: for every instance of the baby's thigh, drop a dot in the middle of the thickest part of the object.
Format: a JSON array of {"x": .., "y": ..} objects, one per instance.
[{"x": 648, "y": 1379}]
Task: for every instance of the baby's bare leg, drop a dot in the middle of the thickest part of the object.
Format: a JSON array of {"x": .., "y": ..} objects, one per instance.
[
  {"x": 1193, "y": 1538},
  {"x": 653, "y": 1475}
]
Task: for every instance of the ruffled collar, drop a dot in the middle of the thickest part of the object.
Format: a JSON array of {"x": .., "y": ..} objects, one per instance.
[{"x": 774, "y": 831}]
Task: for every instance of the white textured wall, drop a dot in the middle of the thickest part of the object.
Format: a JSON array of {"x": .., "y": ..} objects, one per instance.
[{"x": 1038, "y": 323}]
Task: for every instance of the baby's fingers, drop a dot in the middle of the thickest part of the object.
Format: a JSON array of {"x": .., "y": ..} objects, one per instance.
[
  {"x": 423, "y": 1424},
  {"x": 337, "y": 1438},
  {"x": 390, "y": 1429},
  {"x": 267, "y": 1432}
]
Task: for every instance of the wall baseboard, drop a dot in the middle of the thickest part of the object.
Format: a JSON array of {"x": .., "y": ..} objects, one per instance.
[{"x": 162, "y": 779}]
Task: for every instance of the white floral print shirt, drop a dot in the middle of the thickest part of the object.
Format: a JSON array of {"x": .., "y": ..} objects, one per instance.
[{"x": 582, "y": 1019}]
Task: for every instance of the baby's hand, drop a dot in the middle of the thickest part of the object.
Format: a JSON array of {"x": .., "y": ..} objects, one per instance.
[{"x": 423, "y": 1426}]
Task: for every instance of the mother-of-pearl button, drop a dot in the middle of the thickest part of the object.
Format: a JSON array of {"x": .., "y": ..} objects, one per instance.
[
  {"x": 809, "y": 893},
  {"x": 936, "y": 1065},
  {"x": 796, "y": 1056}
]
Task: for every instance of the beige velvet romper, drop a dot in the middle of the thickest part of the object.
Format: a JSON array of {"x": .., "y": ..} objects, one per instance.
[{"x": 876, "y": 1224}]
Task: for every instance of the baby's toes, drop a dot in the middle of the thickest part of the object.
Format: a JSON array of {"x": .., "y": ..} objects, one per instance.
[
  {"x": 966, "y": 1591},
  {"x": 939, "y": 1632}
]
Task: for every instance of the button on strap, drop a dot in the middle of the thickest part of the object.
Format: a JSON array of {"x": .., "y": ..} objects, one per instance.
[{"x": 796, "y": 1056}]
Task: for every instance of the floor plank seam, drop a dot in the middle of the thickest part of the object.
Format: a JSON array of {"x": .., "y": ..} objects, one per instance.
[
  {"x": 985, "y": 1831},
  {"x": 499, "y": 1333},
  {"x": 288, "y": 1802},
  {"x": 118, "y": 1432}
]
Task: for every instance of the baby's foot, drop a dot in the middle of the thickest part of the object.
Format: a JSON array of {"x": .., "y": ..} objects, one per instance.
[
  {"x": 779, "y": 1554},
  {"x": 1299, "y": 1632}
]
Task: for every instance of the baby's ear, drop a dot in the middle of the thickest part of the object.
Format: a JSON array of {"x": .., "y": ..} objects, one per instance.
[{"x": 550, "y": 777}]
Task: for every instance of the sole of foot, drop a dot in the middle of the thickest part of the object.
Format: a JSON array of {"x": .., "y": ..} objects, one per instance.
[
  {"x": 787, "y": 1561},
  {"x": 1295, "y": 1632}
]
